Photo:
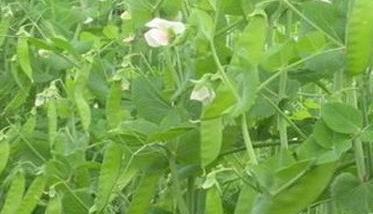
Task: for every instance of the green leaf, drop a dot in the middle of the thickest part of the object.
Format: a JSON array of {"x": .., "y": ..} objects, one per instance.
[
  {"x": 246, "y": 200},
  {"x": 211, "y": 140},
  {"x": 141, "y": 11},
  {"x": 310, "y": 43},
  {"x": 54, "y": 206},
  {"x": 111, "y": 31},
  {"x": 367, "y": 135},
  {"x": 342, "y": 118},
  {"x": 330, "y": 18},
  {"x": 213, "y": 202},
  {"x": 251, "y": 43},
  {"x": 149, "y": 104},
  {"x": 108, "y": 175},
  {"x": 32, "y": 195},
  {"x": 4, "y": 154},
  {"x": 204, "y": 23},
  {"x": 326, "y": 137},
  {"x": 278, "y": 56},
  {"x": 247, "y": 82},
  {"x": 351, "y": 195},
  {"x": 14, "y": 194},
  {"x": 360, "y": 37},
  {"x": 144, "y": 194},
  {"x": 222, "y": 102},
  {"x": 23, "y": 56},
  {"x": 292, "y": 199}
]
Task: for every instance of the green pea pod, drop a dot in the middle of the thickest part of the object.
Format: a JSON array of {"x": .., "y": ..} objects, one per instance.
[
  {"x": 213, "y": 202},
  {"x": 83, "y": 109},
  {"x": 360, "y": 37},
  {"x": 4, "y": 154},
  {"x": 108, "y": 175},
  {"x": 23, "y": 56},
  {"x": 4, "y": 27},
  {"x": 14, "y": 195},
  {"x": 32, "y": 196},
  {"x": 114, "y": 111},
  {"x": 211, "y": 140}
]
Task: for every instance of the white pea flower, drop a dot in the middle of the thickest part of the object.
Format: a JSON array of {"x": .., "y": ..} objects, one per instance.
[
  {"x": 88, "y": 20},
  {"x": 326, "y": 1},
  {"x": 44, "y": 53},
  {"x": 129, "y": 39},
  {"x": 40, "y": 100},
  {"x": 162, "y": 31},
  {"x": 202, "y": 94},
  {"x": 125, "y": 16}
]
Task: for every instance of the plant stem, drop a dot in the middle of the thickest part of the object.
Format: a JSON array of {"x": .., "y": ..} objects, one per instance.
[
  {"x": 291, "y": 123},
  {"x": 182, "y": 207},
  {"x": 221, "y": 70},
  {"x": 357, "y": 144},
  {"x": 247, "y": 140},
  {"x": 281, "y": 122}
]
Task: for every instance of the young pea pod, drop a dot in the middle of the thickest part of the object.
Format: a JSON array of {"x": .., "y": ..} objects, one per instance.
[
  {"x": 32, "y": 196},
  {"x": 4, "y": 154},
  {"x": 360, "y": 37},
  {"x": 23, "y": 56},
  {"x": 14, "y": 195},
  {"x": 108, "y": 175}
]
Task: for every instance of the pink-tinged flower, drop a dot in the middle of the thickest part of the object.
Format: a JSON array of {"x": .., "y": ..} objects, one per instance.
[
  {"x": 156, "y": 38},
  {"x": 162, "y": 31}
]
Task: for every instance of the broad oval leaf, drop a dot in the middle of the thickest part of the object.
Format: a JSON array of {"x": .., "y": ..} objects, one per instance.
[
  {"x": 144, "y": 194},
  {"x": 342, "y": 118},
  {"x": 54, "y": 206},
  {"x": 301, "y": 191},
  {"x": 327, "y": 138},
  {"x": 223, "y": 101},
  {"x": 251, "y": 43},
  {"x": 351, "y": 195}
]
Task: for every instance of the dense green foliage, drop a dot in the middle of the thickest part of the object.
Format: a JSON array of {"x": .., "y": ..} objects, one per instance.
[{"x": 234, "y": 106}]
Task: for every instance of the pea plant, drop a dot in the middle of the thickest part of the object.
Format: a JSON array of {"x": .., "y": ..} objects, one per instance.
[{"x": 186, "y": 106}]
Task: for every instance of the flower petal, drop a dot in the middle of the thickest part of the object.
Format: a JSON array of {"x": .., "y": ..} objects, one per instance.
[
  {"x": 162, "y": 24},
  {"x": 156, "y": 38},
  {"x": 177, "y": 27},
  {"x": 158, "y": 23},
  {"x": 202, "y": 94}
]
